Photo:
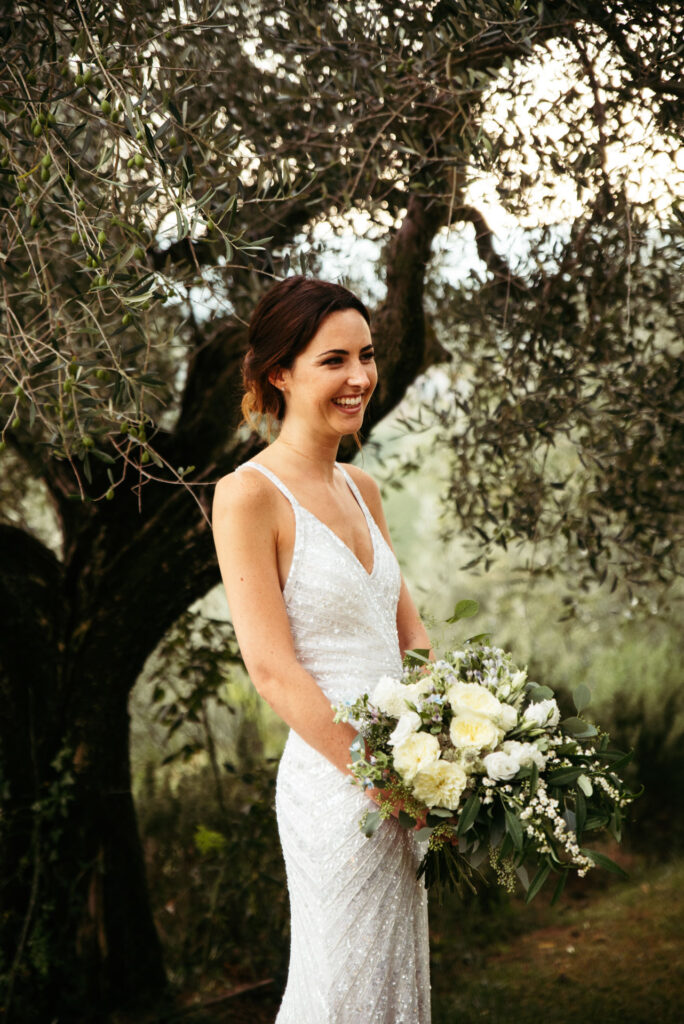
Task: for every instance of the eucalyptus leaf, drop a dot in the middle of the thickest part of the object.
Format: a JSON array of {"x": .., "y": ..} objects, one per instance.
[{"x": 464, "y": 610}]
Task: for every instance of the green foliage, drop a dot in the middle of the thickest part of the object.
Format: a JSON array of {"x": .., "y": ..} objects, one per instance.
[{"x": 216, "y": 876}]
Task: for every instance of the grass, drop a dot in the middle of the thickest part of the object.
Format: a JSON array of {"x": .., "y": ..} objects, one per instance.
[{"x": 614, "y": 956}]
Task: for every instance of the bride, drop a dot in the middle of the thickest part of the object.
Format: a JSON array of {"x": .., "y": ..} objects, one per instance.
[{"x": 321, "y": 613}]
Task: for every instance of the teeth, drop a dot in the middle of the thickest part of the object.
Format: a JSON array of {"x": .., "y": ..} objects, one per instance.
[{"x": 347, "y": 401}]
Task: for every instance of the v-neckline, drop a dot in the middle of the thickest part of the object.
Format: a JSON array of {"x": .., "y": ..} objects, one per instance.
[
  {"x": 296, "y": 504},
  {"x": 366, "y": 515}
]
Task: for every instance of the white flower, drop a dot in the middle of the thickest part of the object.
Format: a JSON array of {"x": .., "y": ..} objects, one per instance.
[
  {"x": 407, "y": 724},
  {"x": 475, "y": 731},
  {"x": 440, "y": 785},
  {"x": 465, "y": 697},
  {"x": 501, "y": 766},
  {"x": 388, "y": 697},
  {"x": 542, "y": 714},
  {"x": 518, "y": 679},
  {"x": 508, "y": 717},
  {"x": 526, "y": 754},
  {"x": 417, "y": 752}
]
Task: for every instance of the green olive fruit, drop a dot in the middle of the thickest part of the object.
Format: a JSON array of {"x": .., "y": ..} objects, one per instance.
[
  {"x": 19, "y": 201},
  {"x": 139, "y": 252},
  {"x": 106, "y": 107},
  {"x": 4, "y": 161},
  {"x": 47, "y": 160},
  {"x": 126, "y": 319},
  {"x": 37, "y": 130},
  {"x": 44, "y": 174},
  {"x": 129, "y": 162},
  {"x": 101, "y": 374},
  {"x": 35, "y": 220},
  {"x": 146, "y": 304},
  {"x": 88, "y": 441},
  {"x": 110, "y": 494},
  {"x": 64, "y": 72},
  {"x": 101, "y": 281},
  {"x": 101, "y": 237},
  {"x": 87, "y": 76},
  {"x": 79, "y": 80},
  {"x": 22, "y": 186},
  {"x": 81, "y": 204},
  {"x": 75, "y": 238},
  {"x": 68, "y": 180},
  {"x": 139, "y": 160},
  {"x": 18, "y": 391},
  {"x": 140, "y": 134},
  {"x": 69, "y": 424},
  {"x": 51, "y": 119},
  {"x": 145, "y": 457},
  {"x": 16, "y": 422},
  {"x": 3, "y": 445}
]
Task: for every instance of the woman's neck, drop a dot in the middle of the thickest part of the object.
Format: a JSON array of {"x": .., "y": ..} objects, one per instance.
[{"x": 310, "y": 454}]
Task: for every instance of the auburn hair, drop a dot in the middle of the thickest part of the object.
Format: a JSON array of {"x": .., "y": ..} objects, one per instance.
[{"x": 283, "y": 323}]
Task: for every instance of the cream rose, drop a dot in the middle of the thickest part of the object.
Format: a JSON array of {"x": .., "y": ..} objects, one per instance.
[
  {"x": 417, "y": 752},
  {"x": 465, "y": 697},
  {"x": 473, "y": 731},
  {"x": 440, "y": 785},
  {"x": 388, "y": 697},
  {"x": 407, "y": 724}
]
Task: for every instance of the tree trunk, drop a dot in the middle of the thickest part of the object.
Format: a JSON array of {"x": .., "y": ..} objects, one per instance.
[{"x": 77, "y": 933}]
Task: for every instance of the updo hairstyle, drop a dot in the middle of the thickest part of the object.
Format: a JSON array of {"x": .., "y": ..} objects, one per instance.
[{"x": 283, "y": 323}]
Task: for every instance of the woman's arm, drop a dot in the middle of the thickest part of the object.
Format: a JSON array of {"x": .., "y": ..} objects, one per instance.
[
  {"x": 412, "y": 632},
  {"x": 245, "y": 533}
]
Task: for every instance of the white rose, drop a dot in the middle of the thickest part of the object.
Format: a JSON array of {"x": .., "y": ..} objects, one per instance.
[
  {"x": 465, "y": 697},
  {"x": 475, "y": 731},
  {"x": 417, "y": 752},
  {"x": 542, "y": 714},
  {"x": 388, "y": 697},
  {"x": 526, "y": 754},
  {"x": 415, "y": 691},
  {"x": 407, "y": 724},
  {"x": 501, "y": 766},
  {"x": 508, "y": 718},
  {"x": 440, "y": 785}
]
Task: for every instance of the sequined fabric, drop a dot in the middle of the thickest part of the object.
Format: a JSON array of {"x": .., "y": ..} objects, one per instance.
[{"x": 359, "y": 948}]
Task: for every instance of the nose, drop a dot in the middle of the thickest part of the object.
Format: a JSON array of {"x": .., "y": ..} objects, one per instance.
[{"x": 358, "y": 376}]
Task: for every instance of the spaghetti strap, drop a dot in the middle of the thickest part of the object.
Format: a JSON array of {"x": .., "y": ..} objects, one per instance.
[
  {"x": 274, "y": 479},
  {"x": 359, "y": 498}
]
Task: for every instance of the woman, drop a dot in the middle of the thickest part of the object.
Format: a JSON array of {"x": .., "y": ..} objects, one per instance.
[{"x": 321, "y": 613}]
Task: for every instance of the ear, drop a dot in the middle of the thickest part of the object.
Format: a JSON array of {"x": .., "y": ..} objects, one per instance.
[{"x": 277, "y": 378}]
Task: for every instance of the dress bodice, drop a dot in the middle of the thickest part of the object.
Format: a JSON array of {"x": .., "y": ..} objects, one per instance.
[{"x": 343, "y": 619}]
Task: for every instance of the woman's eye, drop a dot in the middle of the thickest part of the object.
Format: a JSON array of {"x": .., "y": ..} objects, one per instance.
[{"x": 368, "y": 356}]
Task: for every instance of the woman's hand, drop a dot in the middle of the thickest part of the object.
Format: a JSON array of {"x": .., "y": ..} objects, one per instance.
[{"x": 380, "y": 796}]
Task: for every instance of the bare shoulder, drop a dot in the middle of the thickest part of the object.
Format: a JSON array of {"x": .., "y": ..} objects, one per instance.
[{"x": 245, "y": 495}]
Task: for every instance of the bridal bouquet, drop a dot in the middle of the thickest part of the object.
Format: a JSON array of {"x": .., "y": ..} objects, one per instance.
[{"x": 472, "y": 748}]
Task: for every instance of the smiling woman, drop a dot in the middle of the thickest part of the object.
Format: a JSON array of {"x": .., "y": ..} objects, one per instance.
[{"x": 320, "y": 611}]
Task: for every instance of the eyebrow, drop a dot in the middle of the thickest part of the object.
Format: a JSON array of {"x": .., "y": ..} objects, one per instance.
[{"x": 342, "y": 351}]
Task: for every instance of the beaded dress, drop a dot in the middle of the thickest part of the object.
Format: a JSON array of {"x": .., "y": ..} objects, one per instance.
[{"x": 359, "y": 937}]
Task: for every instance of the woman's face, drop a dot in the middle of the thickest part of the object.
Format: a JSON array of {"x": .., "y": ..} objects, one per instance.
[{"x": 332, "y": 379}]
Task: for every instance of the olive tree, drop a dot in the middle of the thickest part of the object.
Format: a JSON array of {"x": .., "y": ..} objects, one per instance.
[{"x": 158, "y": 155}]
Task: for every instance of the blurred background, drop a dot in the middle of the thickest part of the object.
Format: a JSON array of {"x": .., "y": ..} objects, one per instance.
[{"x": 502, "y": 184}]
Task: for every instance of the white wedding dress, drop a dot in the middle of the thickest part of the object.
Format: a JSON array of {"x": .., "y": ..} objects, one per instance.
[{"x": 359, "y": 947}]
